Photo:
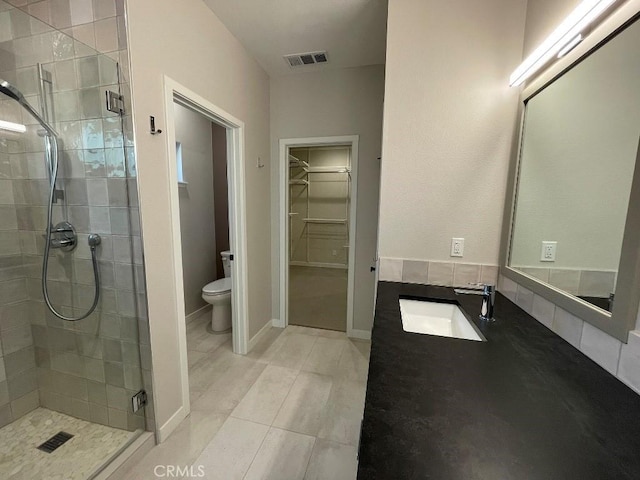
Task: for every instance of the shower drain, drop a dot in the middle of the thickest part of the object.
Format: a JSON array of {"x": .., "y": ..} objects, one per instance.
[{"x": 56, "y": 441}]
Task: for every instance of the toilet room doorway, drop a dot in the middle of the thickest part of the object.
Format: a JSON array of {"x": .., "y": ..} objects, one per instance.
[
  {"x": 207, "y": 200},
  {"x": 318, "y": 219}
]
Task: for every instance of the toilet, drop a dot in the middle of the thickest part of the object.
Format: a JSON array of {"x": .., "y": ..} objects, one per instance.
[{"x": 218, "y": 294}]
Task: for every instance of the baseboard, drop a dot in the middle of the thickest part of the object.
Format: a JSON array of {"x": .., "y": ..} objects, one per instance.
[
  {"x": 258, "y": 336},
  {"x": 201, "y": 311},
  {"x": 128, "y": 458},
  {"x": 170, "y": 425},
  {"x": 360, "y": 334},
  {"x": 278, "y": 323}
]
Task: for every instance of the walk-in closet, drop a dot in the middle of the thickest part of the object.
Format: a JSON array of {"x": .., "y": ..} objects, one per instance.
[{"x": 319, "y": 204}]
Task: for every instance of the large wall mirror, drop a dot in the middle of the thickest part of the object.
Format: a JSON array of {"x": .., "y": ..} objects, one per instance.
[{"x": 574, "y": 231}]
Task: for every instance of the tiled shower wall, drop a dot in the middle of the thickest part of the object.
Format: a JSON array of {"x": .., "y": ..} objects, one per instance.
[{"x": 88, "y": 368}]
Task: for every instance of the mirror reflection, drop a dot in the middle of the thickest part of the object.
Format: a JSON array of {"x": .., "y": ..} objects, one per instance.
[{"x": 577, "y": 161}]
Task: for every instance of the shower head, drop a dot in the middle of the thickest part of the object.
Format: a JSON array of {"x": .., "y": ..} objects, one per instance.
[
  {"x": 11, "y": 91},
  {"x": 15, "y": 94}
]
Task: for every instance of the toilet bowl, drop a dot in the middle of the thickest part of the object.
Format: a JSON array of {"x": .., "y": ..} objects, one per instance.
[{"x": 218, "y": 294}]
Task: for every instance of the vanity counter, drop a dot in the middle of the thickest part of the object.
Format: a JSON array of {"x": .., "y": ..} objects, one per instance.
[{"x": 523, "y": 405}]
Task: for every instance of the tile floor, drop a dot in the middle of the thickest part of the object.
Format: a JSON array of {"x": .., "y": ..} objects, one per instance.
[
  {"x": 318, "y": 297},
  {"x": 291, "y": 409},
  {"x": 91, "y": 447}
]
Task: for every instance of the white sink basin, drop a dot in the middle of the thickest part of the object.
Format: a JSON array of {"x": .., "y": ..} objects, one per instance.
[{"x": 434, "y": 318}]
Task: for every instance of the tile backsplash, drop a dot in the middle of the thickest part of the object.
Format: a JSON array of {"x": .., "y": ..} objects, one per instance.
[
  {"x": 619, "y": 359},
  {"x": 436, "y": 273}
]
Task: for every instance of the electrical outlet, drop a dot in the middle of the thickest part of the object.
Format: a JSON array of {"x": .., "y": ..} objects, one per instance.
[
  {"x": 457, "y": 247},
  {"x": 548, "y": 251}
]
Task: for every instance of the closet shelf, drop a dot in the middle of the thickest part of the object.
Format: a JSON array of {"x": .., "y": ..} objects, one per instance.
[
  {"x": 296, "y": 162},
  {"x": 327, "y": 170},
  {"x": 326, "y": 220},
  {"x": 298, "y": 182}
]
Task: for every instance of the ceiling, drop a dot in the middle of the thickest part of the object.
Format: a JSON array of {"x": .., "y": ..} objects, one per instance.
[{"x": 353, "y": 32}]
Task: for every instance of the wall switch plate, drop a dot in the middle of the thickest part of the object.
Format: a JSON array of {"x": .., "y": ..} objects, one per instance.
[
  {"x": 457, "y": 247},
  {"x": 548, "y": 251}
]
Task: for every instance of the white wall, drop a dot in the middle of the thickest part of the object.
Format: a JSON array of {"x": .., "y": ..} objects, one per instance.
[
  {"x": 543, "y": 16},
  {"x": 449, "y": 121},
  {"x": 190, "y": 45},
  {"x": 197, "y": 220},
  {"x": 335, "y": 102}
]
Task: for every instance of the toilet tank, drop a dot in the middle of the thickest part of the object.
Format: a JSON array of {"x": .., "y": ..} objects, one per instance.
[{"x": 226, "y": 262}]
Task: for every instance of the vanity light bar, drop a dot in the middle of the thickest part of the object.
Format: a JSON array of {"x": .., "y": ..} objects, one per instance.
[
  {"x": 12, "y": 127},
  {"x": 569, "y": 46},
  {"x": 582, "y": 16}
]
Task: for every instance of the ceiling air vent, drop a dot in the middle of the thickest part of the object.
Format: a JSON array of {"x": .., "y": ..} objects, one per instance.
[{"x": 301, "y": 59}]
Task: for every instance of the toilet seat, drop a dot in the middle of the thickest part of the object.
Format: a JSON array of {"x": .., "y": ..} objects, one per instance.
[{"x": 218, "y": 287}]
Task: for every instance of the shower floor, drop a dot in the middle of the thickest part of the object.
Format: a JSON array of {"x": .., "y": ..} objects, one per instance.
[{"x": 80, "y": 457}]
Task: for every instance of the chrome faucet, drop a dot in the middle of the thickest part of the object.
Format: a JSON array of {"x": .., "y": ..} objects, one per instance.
[{"x": 488, "y": 299}]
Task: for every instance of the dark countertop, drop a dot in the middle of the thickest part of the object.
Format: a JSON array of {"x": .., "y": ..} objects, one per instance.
[{"x": 523, "y": 405}]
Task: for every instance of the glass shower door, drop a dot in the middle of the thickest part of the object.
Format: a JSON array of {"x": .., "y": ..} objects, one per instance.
[{"x": 66, "y": 366}]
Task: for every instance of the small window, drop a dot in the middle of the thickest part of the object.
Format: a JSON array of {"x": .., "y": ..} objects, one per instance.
[{"x": 181, "y": 180}]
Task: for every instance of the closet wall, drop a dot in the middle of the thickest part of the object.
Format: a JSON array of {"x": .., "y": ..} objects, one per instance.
[{"x": 319, "y": 206}]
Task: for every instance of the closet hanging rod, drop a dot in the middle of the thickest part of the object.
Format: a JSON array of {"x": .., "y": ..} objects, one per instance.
[{"x": 298, "y": 182}]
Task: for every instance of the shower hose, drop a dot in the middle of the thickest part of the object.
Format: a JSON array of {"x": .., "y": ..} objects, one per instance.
[{"x": 94, "y": 239}]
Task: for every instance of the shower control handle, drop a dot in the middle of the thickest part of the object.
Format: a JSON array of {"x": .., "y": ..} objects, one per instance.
[{"x": 64, "y": 237}]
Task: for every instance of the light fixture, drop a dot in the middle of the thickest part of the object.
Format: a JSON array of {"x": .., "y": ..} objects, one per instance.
[
  {"x": 570, "y": 46},
  {"x": 582, "y": 16},
  {"x": 12, "y": 127}
]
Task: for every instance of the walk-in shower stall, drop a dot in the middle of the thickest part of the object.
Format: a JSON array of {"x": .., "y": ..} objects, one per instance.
[{"x": 73, "y": 330}]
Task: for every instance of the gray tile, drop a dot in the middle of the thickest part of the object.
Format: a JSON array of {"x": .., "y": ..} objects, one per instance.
[
  {"x": 23, "y": 405},
  {"x": 17, "y": 362},
  {"x": 524, "y": 299},
  {"x": 119, "y": 221},
  {"x": 4, "y": 393},
  {"x": 117, "y": 192},
  {"x": 100, "y": 219},
  {"x": 94, "y": 369},
  {"x": 98, "y": 414},
  {"x": 117, "y": 397},
  {"x": 114, "y": 374},
  {"x": 601, "y": 348},
  {"x": 22, "y": 384},
  {"x": 568, "y": 327},
  {"x": 13, "y": 291},
  {"x": 282, "y": 455},
  {"x": 112, "y": 350},
  {"x": 230, "y": 453},
  {"x": 465, "y": 274},
  {"x": 76, "y": 191},
  {"x": 97, "y": 192},
  {"x": 440, "y": 273},
  {"x": 390, "y": 269},
  {"x": 263, "y": 401},
  {"x": 303, "y": 409},
  {"x": 325, "y": 356},
  {"x": 332, "y": 460},
  {"x": 543, "y": 311},
  {"x": 118, "y": 418},
  {"x": 15, "y": 339},
  {"x": 97, "y": 393},
  {"x": 414, "y": 271}
]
